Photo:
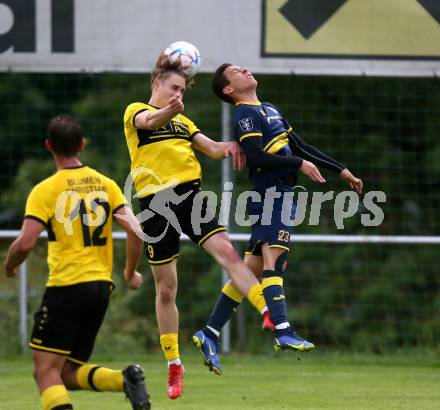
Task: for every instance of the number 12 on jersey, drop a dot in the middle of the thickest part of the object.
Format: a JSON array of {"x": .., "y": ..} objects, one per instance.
[{"x": 93, "y": 212}]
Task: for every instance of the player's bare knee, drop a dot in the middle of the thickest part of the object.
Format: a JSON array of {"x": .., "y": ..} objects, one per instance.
[
  {"x": 281, "y": 263},
  {"x": 166, "y": 294},
  {"x": 277, "y": 263}
]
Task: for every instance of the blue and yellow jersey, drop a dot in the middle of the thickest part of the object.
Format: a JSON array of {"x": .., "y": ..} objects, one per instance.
[
  {"x": 266, "y": 121},
  {"x": 76, "y": 205},
  {"x": 163, "y": 157}
]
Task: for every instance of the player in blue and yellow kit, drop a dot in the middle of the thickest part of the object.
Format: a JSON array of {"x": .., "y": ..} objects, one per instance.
[
  {"x": 274, "y": 155},
  {"x": 77, "y": 206}
]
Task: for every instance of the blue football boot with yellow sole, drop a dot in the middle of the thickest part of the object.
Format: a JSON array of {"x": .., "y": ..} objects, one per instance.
[
  {"x": 292, "y": 341},
  {"x": 208, "y": 349}
]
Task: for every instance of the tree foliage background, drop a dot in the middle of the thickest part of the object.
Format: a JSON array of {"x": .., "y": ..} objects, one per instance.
[{"x": 362, "y": 296}]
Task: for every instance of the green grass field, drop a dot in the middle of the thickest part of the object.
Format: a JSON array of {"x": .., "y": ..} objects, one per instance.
[{"x": 278, "y": 381}]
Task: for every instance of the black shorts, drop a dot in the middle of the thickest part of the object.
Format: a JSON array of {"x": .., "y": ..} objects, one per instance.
[
  {"x": 188, "y": 214},
  {"x": 274, "y": 223},
  {"x": 69, "y": 319}
]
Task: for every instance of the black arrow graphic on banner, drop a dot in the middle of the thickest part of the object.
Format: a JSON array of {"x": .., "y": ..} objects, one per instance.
[
  {"x": 432, "y": 7},
  {"x": 307, "y": 16}
]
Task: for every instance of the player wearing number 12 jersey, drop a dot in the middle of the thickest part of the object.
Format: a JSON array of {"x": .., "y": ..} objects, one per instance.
[
  {"x": 77, "y": 206},
  {"x": 65, "y": 203}
]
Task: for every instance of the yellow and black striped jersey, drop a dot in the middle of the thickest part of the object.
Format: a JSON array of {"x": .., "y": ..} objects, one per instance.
[
  {"x": 163, "y": 157},
  {"x": 76, "y": 205}
]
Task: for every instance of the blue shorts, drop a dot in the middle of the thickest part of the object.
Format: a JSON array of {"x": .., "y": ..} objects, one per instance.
[{"x": 274, "y": 223}]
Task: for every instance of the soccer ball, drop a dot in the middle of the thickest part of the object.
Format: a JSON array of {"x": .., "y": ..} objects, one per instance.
[{"x": 188, "y": 54}]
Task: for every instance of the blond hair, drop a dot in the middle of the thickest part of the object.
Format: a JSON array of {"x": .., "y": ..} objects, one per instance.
[{"x": 164, "y": 68}]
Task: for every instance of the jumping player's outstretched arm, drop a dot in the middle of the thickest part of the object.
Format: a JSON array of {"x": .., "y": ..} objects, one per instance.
[
  {"x": 257, "y": 157},
  {"x": 318, "y": 158},
  {"x": 312, "y": 154},
  {"x": 219, "y": 150}
]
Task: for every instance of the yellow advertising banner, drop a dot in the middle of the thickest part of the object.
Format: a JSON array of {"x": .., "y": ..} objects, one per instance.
[{"x": 351, "y": 28}]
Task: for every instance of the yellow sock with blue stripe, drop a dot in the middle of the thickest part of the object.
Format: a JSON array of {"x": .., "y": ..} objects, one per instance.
[
  {"x": 232, "y": 293},
  {"x": 93, "y": 377},
  {"x": 273, "y": 290},
  {"x": 56, "y": 397},
  {"x": 226, "y": 304},
  {"x": 170, "y": 347}
]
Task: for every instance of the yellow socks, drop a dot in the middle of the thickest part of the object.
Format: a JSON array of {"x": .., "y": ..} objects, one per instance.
[
  {"x": 170, "y": 346},
  {"x": 92, "y": 377},
  {"x": 255, "y": 296},
  {"x": 272, "y": 281},
  {"x": 232, "y": 292},
  {"x": 56, "y": 397},
  {"x": 89, "y": 377}
]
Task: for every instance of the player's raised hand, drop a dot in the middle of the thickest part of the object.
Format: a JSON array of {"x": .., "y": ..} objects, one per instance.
[
  {"x": 238, "y": 156},
  {"x": 133, "y": 280},
  {"x": 355, "y": 183},
  {"x": 309, "y": 169},
  {"x": 11, "y": 272},
  {"x": 175, "y": 104}
]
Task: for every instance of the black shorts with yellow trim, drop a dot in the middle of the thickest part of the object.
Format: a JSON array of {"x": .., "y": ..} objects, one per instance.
[
  {"x": 272, "y": 224},
  {"x": 69, "y": 319},
  {"x": 184, "y": 209}
]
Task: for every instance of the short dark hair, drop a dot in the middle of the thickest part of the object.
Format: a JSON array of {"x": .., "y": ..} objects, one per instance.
[
  {"x": 219, "y": 81},
  {"x": 65, "y": 136},
  {"x": 164, "y": 68}
]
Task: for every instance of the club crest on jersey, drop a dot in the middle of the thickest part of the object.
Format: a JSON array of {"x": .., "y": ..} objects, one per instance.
[{"x": 246, "y": 124}]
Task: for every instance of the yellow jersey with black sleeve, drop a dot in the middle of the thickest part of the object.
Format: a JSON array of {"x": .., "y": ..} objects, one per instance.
[
  {"x": 76, "y": 205},
  {"x": 163, "y": 157}
]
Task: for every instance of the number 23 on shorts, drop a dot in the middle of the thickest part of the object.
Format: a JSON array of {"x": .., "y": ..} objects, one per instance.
[{"x": 283, "y": 236}]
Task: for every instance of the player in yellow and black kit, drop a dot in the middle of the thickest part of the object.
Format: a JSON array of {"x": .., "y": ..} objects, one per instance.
[
  {"x": 167, "y": 176},
  {"x": 77, "y": 206}
]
